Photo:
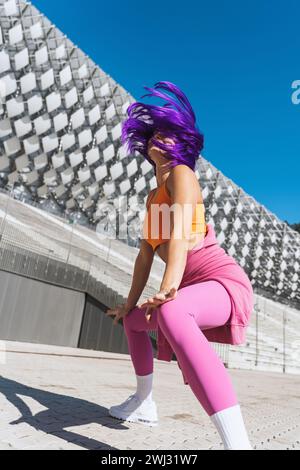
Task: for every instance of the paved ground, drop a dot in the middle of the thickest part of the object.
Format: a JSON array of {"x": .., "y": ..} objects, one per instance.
[{"x": 58, "y": 398}]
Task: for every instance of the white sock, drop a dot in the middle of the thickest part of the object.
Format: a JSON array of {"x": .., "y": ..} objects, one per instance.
[
  {"x": 231, "y": 427},
  {"x": 144, "y": 386}
]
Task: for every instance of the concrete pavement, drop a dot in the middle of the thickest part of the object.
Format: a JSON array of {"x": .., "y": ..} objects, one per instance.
[{"x": 58, "y": 398}]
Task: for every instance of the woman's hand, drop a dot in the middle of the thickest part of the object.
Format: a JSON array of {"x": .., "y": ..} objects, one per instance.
[
  {"x": 148, "y": 313},
  {"x": 119, "y": 311},
  {"x": 164, "y": 295}
]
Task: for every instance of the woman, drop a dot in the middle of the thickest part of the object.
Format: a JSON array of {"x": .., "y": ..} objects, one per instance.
[{"x": 204, "y": 294}]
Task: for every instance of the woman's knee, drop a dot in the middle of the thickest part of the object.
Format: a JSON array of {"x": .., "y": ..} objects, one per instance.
[
  {"x": 169, "y": 312},
  {"x": 171, "y": 321},
  {"x": 130, "y": 318}
]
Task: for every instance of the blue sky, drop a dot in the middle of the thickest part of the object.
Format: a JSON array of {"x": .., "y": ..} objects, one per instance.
[{"x": 235, "y": 61}]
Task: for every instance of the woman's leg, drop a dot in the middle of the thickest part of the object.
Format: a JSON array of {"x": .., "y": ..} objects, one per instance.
[
  {"x": 199, "y": 306},
  {"x": 139, "y": 344},
  {"x": 136, "y": 328}
]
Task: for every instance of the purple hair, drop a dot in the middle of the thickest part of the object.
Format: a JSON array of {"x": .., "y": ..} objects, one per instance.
[{"x": 144, "y": 120}]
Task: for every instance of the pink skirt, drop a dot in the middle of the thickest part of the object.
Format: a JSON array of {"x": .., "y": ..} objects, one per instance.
[{"x": 208, "y": 261}]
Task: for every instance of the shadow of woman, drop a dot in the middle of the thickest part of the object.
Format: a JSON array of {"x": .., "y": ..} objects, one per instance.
[{"x": 62, "y": 412}]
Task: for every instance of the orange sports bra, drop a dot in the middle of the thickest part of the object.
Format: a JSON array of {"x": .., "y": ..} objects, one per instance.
[{"x": 162, "y": 196}]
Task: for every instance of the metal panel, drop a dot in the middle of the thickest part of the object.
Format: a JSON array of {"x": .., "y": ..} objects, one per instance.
[
  {"x": 38, "y": 312},
  {"x": 99, "y": 333}
]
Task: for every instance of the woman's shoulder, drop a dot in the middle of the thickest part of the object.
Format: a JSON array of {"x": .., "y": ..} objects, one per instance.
[
  {"x": 181, "y": 171},
  {"x": 185, "y": 175}
]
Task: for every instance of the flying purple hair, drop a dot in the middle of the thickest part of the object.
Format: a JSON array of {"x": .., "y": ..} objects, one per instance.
[{"x": 179, "y": 124}]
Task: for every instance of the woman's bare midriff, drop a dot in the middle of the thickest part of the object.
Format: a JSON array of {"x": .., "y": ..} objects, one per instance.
[{"x": 162, "y": 249}]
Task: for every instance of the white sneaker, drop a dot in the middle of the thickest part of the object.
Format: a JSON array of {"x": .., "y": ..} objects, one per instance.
[{"x": 135, "y": 410}]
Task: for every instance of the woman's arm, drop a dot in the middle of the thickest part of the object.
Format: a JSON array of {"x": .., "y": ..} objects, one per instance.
[
  {"x": 184, "y": 190},
  {"x": 142, "y": 268}
]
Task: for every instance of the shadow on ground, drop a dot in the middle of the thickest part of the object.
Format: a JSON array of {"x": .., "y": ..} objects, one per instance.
[{"x": 62, "y": 412}]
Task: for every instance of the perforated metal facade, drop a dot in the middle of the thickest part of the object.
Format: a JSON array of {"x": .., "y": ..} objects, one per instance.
[{"x": 60, "y": 127}]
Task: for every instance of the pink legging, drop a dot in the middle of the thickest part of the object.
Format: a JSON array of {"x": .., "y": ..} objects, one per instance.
[{"x": 199, "y": 306}]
